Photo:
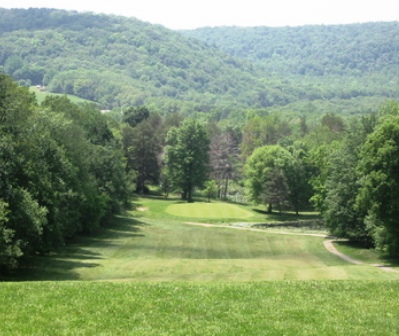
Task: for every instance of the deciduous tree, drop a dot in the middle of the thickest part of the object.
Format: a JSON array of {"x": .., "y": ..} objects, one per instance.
[
  {"x": 379, "y": 191},
  {"x": 187, "y": 157},
  {"x": 265, "y": 176}
]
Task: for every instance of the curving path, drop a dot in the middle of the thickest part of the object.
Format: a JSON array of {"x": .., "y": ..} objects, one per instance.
[{"x": 328, "y": 243}]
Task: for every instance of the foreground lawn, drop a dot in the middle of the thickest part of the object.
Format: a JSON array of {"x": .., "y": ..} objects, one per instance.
[{"x": 268, "y": 308}]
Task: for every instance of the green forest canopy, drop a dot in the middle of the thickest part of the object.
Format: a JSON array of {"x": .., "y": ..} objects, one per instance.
[{"x": 117, "y": 61}]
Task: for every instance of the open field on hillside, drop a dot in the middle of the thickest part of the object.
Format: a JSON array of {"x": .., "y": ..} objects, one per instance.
[{"x": 41, "y": 95}]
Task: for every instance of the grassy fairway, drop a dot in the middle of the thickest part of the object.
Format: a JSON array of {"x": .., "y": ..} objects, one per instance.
[
  {"x": 166, "y": 277},
  {"x": 268, "y": 308},
  {"x": 152, "y": 245},
  {"x": 209, "y": 210}
]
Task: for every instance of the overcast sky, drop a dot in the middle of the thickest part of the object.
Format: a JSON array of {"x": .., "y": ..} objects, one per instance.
[{"x": 186, "y": 14}]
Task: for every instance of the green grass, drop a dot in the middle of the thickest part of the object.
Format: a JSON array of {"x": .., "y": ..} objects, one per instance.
[
  {"x": 41, "y": 95},
  {"x": 151, "y": 273},
  {"x": 153, "y": 245},
  {"x": 366, "y": 255},
  {"x": 268, "y": 308},
  {"x": 209, "y": 210}
]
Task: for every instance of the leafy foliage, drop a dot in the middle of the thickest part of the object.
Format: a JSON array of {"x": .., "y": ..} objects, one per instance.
[
  {"x": 61, "y": 172},
  {"x": 187, "y": 157},
  {"x": 276, "y": 97},
  {"x": 266, "y": 180},
  {"x": 378, "y": 195}
]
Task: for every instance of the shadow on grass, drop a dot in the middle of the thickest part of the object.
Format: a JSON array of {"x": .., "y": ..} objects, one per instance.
[
  {"x": 368, "y": 254},
  {"x": 290, "y": 220},
  {"x": 161, "y": 197},
  {"x": 63, "y": 265},
  {"x": 287, "y": 216},
  {"x": 49, "y": 268}
]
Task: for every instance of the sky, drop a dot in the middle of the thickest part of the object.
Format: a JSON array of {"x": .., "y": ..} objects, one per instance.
[{"x": 191, "y": 14}]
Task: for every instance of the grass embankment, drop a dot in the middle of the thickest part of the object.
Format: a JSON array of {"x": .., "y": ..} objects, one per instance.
[{"x": 164, "y": 277}]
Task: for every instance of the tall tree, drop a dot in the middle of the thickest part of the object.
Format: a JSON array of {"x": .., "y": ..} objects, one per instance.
[
  {"x": 379, "y": 191},
  {"x": 224, "y": 158},
  {"x": 265, "y": 176},
  {"x": 187, "y": 157},
  {"x": 142, "y": 146},
  {"x": 339, "y": 210},
  {"x": 298, "y": 172}
]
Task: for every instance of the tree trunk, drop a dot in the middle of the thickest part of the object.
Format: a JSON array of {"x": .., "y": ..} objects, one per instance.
[
  {"x": 226, "y": 186},
  {"x": 189, "y": 194}
]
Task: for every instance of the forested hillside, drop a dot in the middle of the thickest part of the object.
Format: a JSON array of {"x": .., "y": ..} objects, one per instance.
[
  {"x": 351, "y": 50},
  {"x": 341, "y": 64},
  {"x": 117, "y": 61}
]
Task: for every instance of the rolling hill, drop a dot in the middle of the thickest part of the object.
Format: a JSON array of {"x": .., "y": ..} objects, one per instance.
[{"x": 117, "y": 61}]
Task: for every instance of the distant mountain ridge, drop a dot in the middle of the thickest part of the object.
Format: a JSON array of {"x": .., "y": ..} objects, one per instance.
[
  {"x": 313, "y": 49},
  {"x": 118, "y": 61}
]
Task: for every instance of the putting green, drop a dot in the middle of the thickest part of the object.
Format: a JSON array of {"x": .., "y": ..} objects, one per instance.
[{"x": 208, "y": 210}]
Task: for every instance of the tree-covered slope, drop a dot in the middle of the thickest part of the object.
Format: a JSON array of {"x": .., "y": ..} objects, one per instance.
[
  {"x": 117, "y": 61},
  {"x": 312, "y": 50},
  {"x": 120, "y": 61},
  {"x": 344, "y": 65}
]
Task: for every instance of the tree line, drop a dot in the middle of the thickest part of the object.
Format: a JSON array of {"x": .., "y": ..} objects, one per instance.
[
  {"x": 66, "y": 169},
  {"x": 345, "y": 168},
  {"x": 61, "y": 173}
]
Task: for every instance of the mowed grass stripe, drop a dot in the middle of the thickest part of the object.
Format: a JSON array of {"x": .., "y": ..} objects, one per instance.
[{"x": 208, "y": 210}]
